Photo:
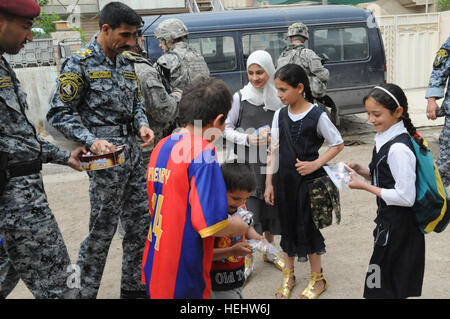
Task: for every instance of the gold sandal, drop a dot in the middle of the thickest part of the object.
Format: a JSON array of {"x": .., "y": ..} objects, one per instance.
[
  {"x": 276, "y": 260},
  {"x": 309, "y": 291},
  {"x": 287, "y": 284}
]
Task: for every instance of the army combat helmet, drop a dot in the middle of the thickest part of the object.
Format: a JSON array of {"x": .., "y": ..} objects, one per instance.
[
  {"x": 171, "y": 29},
  {"x": 298, "y": 29}
]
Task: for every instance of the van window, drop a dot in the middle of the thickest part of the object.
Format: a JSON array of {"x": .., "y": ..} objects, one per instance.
[
  {"x": 342, "y": 44},
  {"x": 272, "y": 42},
  {"x": 219, "y": 52}
]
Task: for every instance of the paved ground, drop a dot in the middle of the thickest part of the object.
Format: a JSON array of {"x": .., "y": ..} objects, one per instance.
[{"x": 349, "y": 245}]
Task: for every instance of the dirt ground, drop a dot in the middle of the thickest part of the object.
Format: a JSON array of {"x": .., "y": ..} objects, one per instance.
[{"x": 349, "y": 244}]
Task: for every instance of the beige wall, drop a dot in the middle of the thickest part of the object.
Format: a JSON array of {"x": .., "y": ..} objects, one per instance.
[
  {"x": 37, "y": 83},
  {"x": 390, "y": 7},
  {"x": 444, "y": 26}
]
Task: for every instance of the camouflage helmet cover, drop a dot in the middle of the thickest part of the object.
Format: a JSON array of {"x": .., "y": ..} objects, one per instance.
[
  {"x": 171, "y": 29},
  {"x": 298, "y": 28}
]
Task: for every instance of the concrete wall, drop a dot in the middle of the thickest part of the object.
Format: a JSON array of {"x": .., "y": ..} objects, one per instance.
[
  {"x": 390, "y": 7},
  {"x": 444, "y": 27},
  {"x": 37, "y": 83}
]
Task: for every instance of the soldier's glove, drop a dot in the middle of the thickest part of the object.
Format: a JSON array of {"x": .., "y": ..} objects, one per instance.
[{"x": 324, "y": 58}]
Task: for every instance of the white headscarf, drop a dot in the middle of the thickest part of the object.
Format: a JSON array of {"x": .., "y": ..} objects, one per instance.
[{"x": 268, "y": 94}]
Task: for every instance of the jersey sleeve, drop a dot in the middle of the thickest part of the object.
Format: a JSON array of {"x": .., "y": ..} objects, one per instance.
[{"x": 208, "y": 195}]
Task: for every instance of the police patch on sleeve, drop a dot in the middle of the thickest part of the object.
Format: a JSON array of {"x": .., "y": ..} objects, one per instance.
[
  {"x": 68, "y": 86},
  {"x": 441, "y": 57}
]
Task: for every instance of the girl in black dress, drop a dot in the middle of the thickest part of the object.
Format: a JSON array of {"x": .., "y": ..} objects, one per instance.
[
  {"x": 309, "y": 127},
  {"x": 397, "y": 264}
]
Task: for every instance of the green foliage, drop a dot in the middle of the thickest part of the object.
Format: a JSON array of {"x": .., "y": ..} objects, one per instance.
[
  {"x": 46, "y": 22},
  {"x": 82, "y": 35},
  {"x": 444, "y": 5},
  {"x": 42, "y": 3}
]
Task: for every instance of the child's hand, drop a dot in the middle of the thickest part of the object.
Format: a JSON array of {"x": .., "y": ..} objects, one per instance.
[
  {"x": 355, "y": 182},
  {"x": 241, "y": 249},
  {"x": 354, "y": 166},
  {"x": 257, "y": 140},
  {"x": 306, "y": 168},
  {"x": 269, "y": 195}
]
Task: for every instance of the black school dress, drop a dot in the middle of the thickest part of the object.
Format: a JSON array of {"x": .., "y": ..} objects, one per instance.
[
  {"x": 299, "y": 236},
  {"x": 397, "y": 264}
]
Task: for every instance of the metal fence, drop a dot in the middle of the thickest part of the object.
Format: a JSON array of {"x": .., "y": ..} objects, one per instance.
[{"x": 36, "y": 53}]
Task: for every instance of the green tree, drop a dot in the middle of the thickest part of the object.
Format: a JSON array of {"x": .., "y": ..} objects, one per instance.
[
  {"x": 42, "y": 3},
  {"x": 444, "y": 5}
]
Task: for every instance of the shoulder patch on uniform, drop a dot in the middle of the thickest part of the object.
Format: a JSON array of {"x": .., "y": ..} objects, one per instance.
[
  {"x": 5, "y": 82},
  {"x": 441, "y": 57},
  {"x": 128, "y": 56},
  {"x": 84, "y": 53},
  {"x": 68, "y": 86}
]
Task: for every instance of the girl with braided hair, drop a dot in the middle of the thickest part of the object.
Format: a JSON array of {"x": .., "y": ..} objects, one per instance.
[{"x": 397, "y": 264}]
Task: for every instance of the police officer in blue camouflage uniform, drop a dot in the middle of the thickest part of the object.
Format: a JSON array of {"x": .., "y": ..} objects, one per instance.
[
  {"x": 32, "y": 246},
  {"x": 436, "y": 90},
  {"x": 100, "y": 84}
]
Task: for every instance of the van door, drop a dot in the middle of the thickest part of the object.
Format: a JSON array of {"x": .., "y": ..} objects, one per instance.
[
  {"x": 353, "y": 68},
  {"x": 220, "y": 51}
]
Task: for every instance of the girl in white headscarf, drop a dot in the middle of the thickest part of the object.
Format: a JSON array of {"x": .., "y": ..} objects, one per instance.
[{"x": 253, "y": 108}]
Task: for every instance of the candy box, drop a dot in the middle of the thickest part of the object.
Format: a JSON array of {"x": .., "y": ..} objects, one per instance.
[{"x": 93, "y": 162}]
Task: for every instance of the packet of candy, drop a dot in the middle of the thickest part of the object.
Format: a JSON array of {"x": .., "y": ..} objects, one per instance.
[
  {"x": 263, "y": 131},
  {"x": 247, "y": 216},
  {"x": 338, "y": 175},
  {"x": 263, "y": 247}
]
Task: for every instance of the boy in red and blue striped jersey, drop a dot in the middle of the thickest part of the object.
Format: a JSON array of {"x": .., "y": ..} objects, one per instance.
[{"x": 188, "y": 198}]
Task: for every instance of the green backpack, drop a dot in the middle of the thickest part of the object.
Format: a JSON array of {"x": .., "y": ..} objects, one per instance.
[{"x": 431, "y": 207}]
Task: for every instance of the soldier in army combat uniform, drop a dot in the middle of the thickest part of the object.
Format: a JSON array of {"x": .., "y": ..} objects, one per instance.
[
  {"x": 161, "y": 106},
  {"x": 436, "y": 90},
  {"x": 297, "y": 53},
  {"x": 181, "y": 63},
  {"x": 32, "y": 246},
  {"x": 99, "y": 82}
]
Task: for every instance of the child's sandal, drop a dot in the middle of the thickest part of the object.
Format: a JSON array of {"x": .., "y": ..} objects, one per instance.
[
  {"x": 310, "y": 291},
  {"x": 276, "y": 260},
  {"x": 284, "y": 292}
]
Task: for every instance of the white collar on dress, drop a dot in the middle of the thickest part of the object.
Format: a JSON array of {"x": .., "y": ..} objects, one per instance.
[{"x": 384, "y": 137}]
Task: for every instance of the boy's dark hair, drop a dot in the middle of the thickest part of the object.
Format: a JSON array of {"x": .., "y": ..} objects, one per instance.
[
  {"x": 238, "y": 176},
  {"x": 203, "y": 100},
  {"x": 293, "y": 74},
  {"x": 388, "y": 102},
  {"x": 116, "y": 13}
]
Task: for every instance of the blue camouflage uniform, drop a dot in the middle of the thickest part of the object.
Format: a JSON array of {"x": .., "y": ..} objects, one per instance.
[
  {"x": 106, "y": 95},
  {"x": 33, "y": 248},
  {"x": 438, "y": 88}
]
